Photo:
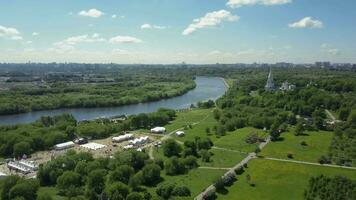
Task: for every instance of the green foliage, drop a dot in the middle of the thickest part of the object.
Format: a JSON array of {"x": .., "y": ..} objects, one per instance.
[
  {"x": 325, "y": 188},
  {"x": 171, "y": 148}
]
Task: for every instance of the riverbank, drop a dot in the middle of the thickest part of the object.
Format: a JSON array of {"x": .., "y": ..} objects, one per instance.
[{"x": 206, "y": 88}]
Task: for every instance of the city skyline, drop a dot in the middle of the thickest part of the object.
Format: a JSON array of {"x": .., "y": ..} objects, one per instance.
[{"x": 162, "y": 31}]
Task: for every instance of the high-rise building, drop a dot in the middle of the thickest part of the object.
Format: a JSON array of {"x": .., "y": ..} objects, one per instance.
[{"x": 270, "y": 85}]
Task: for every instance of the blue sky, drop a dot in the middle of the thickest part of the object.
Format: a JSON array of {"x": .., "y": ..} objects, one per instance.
[{"x": 173, "y": 31}]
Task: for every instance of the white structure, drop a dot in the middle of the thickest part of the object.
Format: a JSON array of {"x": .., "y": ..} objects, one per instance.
[
  {"x": 93, "y": 146},
  {"x": 29, "y": 164},
  {"x": 158, "y": 130},
  {"x": 2, "y": 175},
  {"x": 180, "y": 133},
  {"x": 128, "y": 147},
  {"x": 122, "y": 138},
  {"x": 286, "y": 86},
  {"x": 18, "y": 167},
  {"x": 270, "y": 84},
  {"x": 139, "y": 141},
  {"x": 63, "y": 146}
]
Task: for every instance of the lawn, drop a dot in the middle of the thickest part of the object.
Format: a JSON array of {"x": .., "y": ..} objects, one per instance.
[
  {"x": 185, "y": 118},
  {"x": 278, "y": 180},
  {"x": 236, "y": 140},
  {"x": 317, "y": 145},
  {"x": 196, "y": 180}
]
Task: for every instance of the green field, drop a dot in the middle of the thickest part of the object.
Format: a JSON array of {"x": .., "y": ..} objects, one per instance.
[
  {"x": 317, "y": 145},
  {"x": 188, "y": 117},
  {"x": 236, "y": 140},
  {"x": 196, "y": 180},
  {"x": 278, "y": 180}
]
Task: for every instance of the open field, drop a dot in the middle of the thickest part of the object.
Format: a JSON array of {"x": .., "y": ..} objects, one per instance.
[
  {"x": 196, "y": 180},
  {"x": 278, "y": 180},
  {"x": 317, "y": 145}
]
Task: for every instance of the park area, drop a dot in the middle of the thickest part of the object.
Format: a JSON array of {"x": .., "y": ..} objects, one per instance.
[{"x": 277, "y": 180}]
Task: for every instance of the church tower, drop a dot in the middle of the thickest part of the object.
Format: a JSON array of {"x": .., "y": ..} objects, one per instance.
[{"x": 270, "y": 85}]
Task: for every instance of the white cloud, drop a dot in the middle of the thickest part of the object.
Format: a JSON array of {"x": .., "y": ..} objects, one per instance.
[
  {"x": 334, "y": 51},
  {"x": 29, "y": 42},
  {"x": 239, "y": 3},
  {"x": 35, "y": 34},
  {"x": 113, "y": 16},
  {"x": 211, "y": 19},
  {"x": 124, "y": 39},
  {"x": 149, "y": 26},
  {"x": 91, "y": 13},
  {"x": 330, "y": 49},
  {"x": 68, "y": 44},
  {"x": 307, "y": 22},
  {"x": 10, "y": 33}
]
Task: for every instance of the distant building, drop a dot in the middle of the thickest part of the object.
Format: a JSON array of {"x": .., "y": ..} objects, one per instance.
[
  {"x": 180, "y": 133},
  {"x": 322, "y": 64},
  {"x": 270, "y": 84},
  {"x": 287, "y": 86}
]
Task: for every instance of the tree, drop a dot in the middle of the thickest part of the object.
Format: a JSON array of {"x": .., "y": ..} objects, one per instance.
[
  {"x": 165, "y": 190},
  {"x": 171, "y": 148},
  {"x": 299, "y": 129},
  {"x": 117, "y": 191},
  {"x": 123, "y": 174},
  {"x": 205, "y": 155},
  {"x": 26, "y": 189},
  {"x": 44, "y": 196},
  {"x": 68, "y": 183},
  {"x": 219, "y": 184},
  {"x": 151, "y": 174},
  {"x": 134, "y": 196},
  {"x": 95, "y": 183},
  {"x": 135, "y": 181},
  {"x": 181, "y": 191},
  {"x": 344, "y": 113},
  {"x": 22, "y": 148},
  {"x": 175, "y": 165},
  {"x": 6, "y": 186}
]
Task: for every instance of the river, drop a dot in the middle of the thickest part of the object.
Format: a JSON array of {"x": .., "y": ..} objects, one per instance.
[{"x": 207, "y": 88}]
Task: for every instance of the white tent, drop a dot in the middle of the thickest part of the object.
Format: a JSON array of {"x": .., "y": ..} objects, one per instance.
[
  {"x": 180, "y": 133},
  {"x": 63, "y": 146},
  {"x": 158, "y": 130},
  {"x": 122, "y": 138},
  {"x": 93, "y": 146}
]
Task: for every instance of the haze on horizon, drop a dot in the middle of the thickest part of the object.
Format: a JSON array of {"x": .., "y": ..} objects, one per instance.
[{"x": 172, "y": 31}]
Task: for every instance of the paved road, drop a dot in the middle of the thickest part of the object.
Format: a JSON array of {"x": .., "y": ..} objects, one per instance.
[{"x": 309, "y": 163}]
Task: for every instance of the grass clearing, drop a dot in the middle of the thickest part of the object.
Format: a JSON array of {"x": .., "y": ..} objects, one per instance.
[
  {"x": 317, "y": 145},
  {"x": 278, "y": 180}
]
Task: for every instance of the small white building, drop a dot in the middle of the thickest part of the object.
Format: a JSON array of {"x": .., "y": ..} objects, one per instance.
[
  {"x": 158, "y": 130},
  {"x": 180, "y": 133},
  {"x": 139, "y": 141},
  {"x": 18, "y": 167},
  {"x": 93, "y": 146},
  {"x": 29, "y": 164},
  {"x": 65, "y": 145},
  {"x": 122, "y": 138},
  {"x": 127, "y": 147}
]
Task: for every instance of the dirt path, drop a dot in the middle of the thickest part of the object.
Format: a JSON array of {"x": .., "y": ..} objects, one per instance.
[{"x": 310, "y": 163}]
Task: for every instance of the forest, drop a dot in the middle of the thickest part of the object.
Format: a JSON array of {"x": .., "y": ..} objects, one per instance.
[
  {"x": 33, "y": 91},
  {"x": 19, "y": 140}
]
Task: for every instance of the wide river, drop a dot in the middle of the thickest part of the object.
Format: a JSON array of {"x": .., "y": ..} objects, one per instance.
[{"x": 207, "y": 88}]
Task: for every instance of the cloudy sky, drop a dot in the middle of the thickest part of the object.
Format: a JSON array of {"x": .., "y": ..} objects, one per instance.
[{"x": 173, "y": 31}]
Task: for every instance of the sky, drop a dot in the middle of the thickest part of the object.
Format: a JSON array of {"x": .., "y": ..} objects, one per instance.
[{"x": 176, "y": 31}]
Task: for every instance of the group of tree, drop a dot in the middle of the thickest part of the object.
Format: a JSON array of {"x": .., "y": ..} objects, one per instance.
[
  {"x": 327, "y": 188},
  {"x": 19, "y": 140}
]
